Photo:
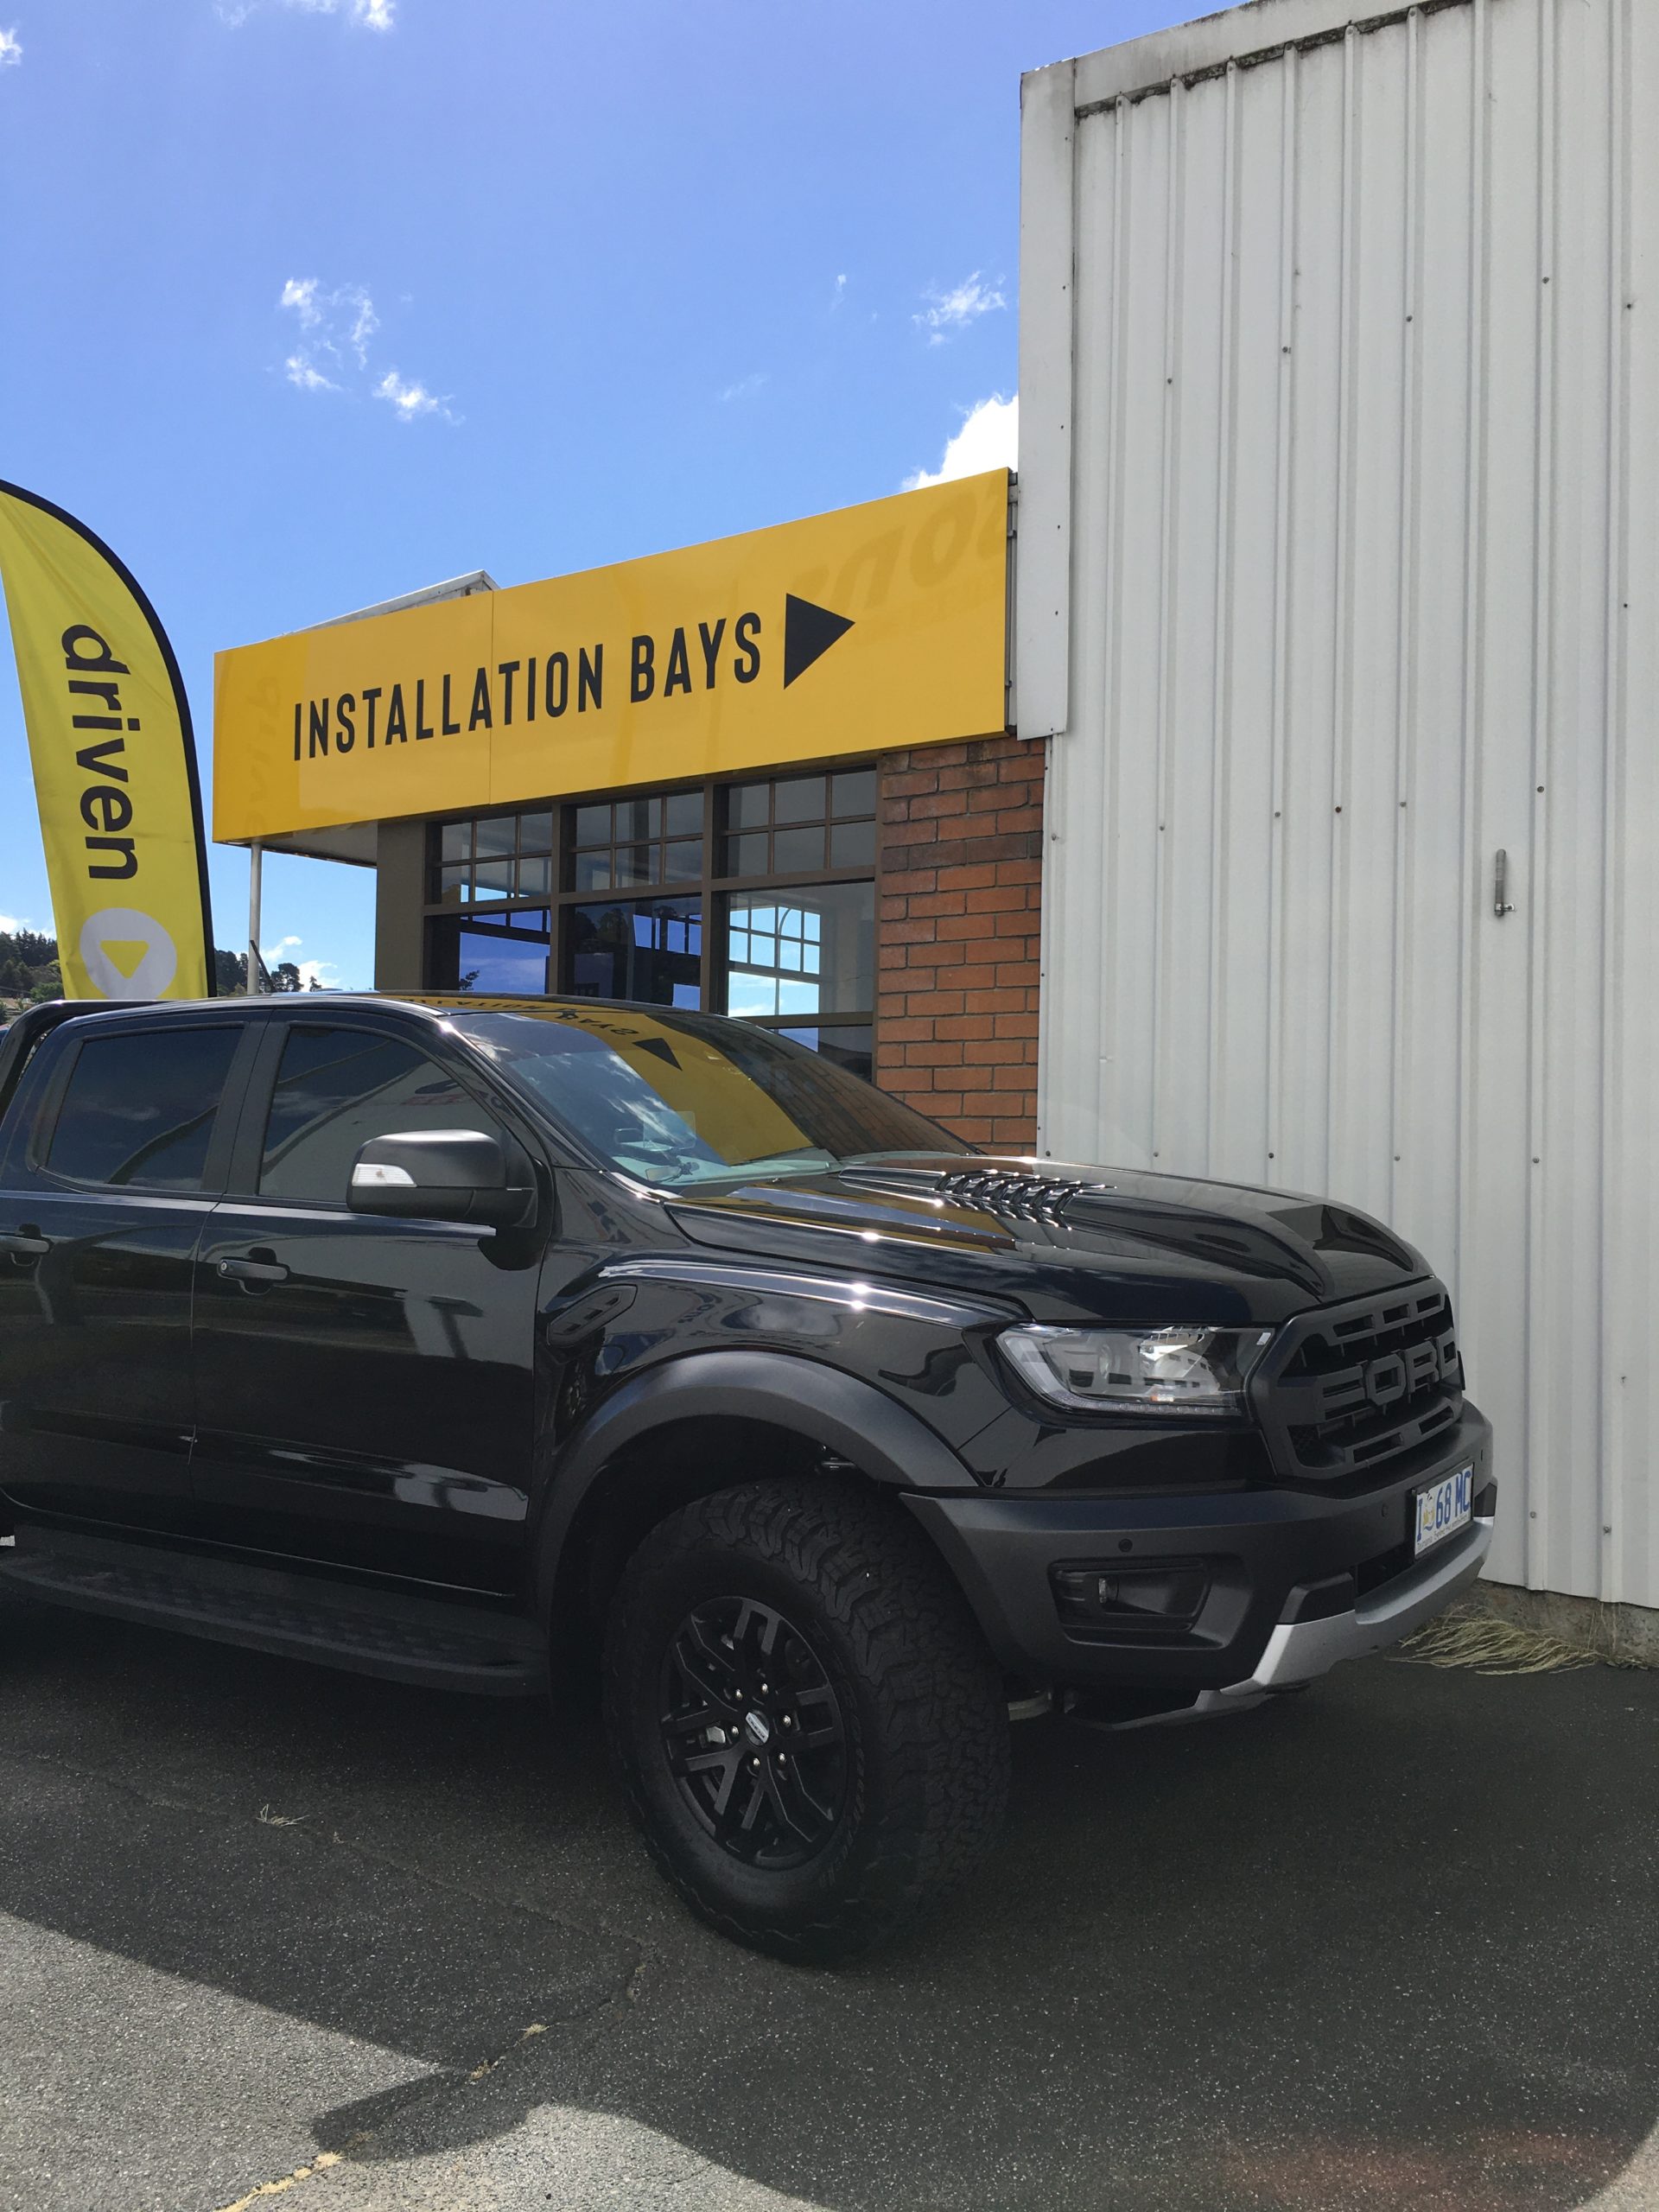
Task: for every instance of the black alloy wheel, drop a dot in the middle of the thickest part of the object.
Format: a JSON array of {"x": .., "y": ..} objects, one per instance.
[
  {"x": 808, "y": 1728},
  {"x": 753, "y": 1732}
]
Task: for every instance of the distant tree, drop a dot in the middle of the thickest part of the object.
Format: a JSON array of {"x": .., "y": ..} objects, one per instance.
[
  {"x": 230, "y": 973},
  {"x": 29, "y": 971}
]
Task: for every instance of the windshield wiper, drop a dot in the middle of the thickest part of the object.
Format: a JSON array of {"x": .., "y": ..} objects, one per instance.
[{"x": 809, "y": 1156}]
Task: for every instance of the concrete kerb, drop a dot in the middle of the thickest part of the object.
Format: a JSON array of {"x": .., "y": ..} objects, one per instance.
[{"x": 1626, "y": 1636}]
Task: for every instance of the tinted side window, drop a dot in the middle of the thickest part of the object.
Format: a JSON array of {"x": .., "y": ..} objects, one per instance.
[
  {"x": 336, "y": 1089},
  {"x": 139, "y": 1108}
]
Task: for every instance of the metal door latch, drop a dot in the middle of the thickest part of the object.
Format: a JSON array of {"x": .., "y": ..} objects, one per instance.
[{"x": 1500, "y": 905}]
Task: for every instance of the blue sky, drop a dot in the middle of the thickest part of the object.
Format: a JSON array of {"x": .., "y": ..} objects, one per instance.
[{"x": 307, "y": 303}]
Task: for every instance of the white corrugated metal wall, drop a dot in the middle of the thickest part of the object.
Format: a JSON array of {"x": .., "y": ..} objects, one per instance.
[{"x": 1340, "y": 573}]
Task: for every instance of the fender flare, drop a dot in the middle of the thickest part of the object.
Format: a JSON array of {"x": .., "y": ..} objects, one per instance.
[{"x": 844, "y": 1414}]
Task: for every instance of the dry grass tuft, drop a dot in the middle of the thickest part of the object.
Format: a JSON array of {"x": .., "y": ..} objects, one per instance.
[{"x": 1489, "y": 1646}]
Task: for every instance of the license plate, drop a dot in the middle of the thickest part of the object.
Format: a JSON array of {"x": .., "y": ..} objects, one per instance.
[{"x": 1444, "y": 1507}]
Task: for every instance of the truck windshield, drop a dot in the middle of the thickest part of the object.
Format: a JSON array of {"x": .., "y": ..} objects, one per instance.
[{"x": 683, "y": 1098}]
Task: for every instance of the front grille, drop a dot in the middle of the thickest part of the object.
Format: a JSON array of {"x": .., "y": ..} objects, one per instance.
[{"x": 1349, "y": 1387}]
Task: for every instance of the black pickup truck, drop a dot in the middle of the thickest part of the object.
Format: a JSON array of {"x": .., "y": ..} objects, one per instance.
[{"x": 483, "y": 1343}]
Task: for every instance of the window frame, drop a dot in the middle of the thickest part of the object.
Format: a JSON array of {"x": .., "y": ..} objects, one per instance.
[
  {"x": 246, "y": 1148},
  {"x": 711, "y": 890}
]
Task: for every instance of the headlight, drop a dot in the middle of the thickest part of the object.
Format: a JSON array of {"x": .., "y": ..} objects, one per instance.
[{"x": 1189, "y": 1370}]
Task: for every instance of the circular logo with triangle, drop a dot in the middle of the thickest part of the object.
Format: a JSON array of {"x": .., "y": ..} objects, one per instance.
[{"x": 127, "y": 954}]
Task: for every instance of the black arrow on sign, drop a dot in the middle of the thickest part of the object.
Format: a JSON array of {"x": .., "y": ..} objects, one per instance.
[{"x": 809, "y": 632}]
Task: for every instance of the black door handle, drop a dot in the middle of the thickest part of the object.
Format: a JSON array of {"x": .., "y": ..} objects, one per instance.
[
  {"x": 253, "y": 1271},
  {"x": 24, "y": 1244}
]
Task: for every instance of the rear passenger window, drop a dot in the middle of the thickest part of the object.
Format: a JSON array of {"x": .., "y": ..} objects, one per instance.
[
  {"x": 336, "y": 1089},
  {"x": 138, "y": 1108}
]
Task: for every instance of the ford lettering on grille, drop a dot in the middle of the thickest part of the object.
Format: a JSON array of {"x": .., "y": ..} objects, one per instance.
[{"x": 1351, "y": 1386}]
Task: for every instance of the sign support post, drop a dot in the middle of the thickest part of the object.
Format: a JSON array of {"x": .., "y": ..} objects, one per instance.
[{"x": 256, "y": 874}]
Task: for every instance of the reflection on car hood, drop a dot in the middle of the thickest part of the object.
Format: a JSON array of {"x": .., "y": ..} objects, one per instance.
[{"x": 1060, "y": 1239}]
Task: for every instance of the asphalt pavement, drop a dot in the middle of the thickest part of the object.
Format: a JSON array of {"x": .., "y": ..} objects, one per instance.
[{"x": 1393, "y": 1944}]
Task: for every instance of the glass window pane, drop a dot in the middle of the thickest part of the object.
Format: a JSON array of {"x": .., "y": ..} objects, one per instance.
[
  {"x": 851, "y": 1048},
  {"x": 536, "y": 832},
  {"x": 801, "y": 951},
  {"x": 635, "y": 864},
  {"x": 496, "y": 834},
  {"x": 534, "y": 879},
  {"x": 852, "y": 791},
  {"x": 139, "y": 1109},
  {"x": 747, "y": 856},
  {"x": 852, "y": 845},
  {"x": 797, "y": 848},
  {"x": 800, "y": 798},
  {"x": 452, "y": 883},
  {"x": 493, "y": 880},
  {"x": 591, "y": 871},
  {"x": 683, "y": 861},
  {"x": 684, "y": 814},
  {"x": 593, "y": 825},
  {"x": 748, "y": 806},
  {"x": 455, "y": 841},
  {"x": 645, "y": 948},
  {"x": 336, "y": 1089},
  {"x": 498, "y": 955},
  {"x": 671, "y": 1097},
  {"x": 639, "y": 817}
]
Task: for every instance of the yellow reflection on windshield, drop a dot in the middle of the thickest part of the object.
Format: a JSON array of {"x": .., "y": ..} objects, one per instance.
[{"x": 715, "y": 1099}]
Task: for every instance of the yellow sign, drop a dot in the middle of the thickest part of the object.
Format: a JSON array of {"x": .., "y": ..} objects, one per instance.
[
  {"x": 877, "y": 625},
  {"x": 115, "y": 762}
]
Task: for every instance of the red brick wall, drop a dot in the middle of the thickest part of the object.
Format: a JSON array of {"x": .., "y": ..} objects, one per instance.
[{"x": 958, "y": 897}]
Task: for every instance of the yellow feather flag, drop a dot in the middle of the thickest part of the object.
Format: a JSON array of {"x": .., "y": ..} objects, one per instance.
[{"x": 115, "y": 762}]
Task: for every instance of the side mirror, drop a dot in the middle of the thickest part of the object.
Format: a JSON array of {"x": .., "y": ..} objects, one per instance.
[{"x": 441, "y": 1175}]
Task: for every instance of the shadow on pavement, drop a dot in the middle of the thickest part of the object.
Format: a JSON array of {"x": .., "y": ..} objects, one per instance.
[{"x": 1393, "y": 1945}]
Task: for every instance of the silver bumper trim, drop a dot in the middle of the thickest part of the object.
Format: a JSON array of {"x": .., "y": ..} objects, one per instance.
[{"x": 1299, "y": 1651}]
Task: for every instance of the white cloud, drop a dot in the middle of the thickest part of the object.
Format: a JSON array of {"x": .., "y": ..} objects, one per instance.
[
  {"x": 336, "y": 327},
  {"x": 410, "y": 400},
  {"x": 839, "y": 294},
  {"x": 10, "y": 924},
  {"x": 337, "y": 324},
  {"x": 365, "y": 323},
  {"x": 343, "y": 320},
  {"x": 306, "y": 374},
  {"x": 321, "y": 975},
  {"x": 746, "y": 387},
  {"x": 11, "y": 52},
  {"x": 299, "y": 293},
  {"x": 988, "y": 438},
  {"x": 371, "y": 15},
  {"x": 947, "y": 313}
]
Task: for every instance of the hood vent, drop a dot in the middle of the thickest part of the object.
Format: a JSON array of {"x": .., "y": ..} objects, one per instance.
[
  {"x": 1013, "y": 1198},
  {"x": 994, "y": 1190}
]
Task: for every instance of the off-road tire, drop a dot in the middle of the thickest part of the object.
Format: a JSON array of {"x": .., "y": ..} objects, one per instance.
[{"x": 921, "y": 1699}]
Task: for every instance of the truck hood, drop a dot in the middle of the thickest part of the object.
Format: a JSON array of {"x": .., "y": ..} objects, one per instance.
[{"x": 1061, "y": 1241}]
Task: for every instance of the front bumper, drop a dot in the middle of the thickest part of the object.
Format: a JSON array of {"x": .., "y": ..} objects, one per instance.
[{"x": 1300, "y": 1578}]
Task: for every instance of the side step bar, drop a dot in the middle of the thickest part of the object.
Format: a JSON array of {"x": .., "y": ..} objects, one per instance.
[{"x": 405, "y": 1639}]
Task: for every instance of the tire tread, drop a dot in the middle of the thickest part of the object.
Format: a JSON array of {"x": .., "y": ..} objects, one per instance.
[{"x": 935, "y": 1687}]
